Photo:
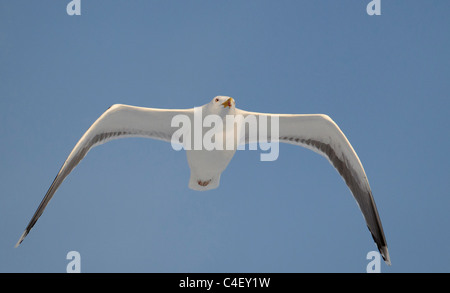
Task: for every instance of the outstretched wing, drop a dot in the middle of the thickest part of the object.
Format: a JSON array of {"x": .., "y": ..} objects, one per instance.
[
  {"x": 118, "y": 121},
  {"x": 322, "y": 135}
]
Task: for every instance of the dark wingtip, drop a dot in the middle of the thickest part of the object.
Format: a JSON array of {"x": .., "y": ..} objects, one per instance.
[
  {"x": 385, "y": 254},
  {"x": 382, "y": 247},
  {"x": 24, "y": 234}
]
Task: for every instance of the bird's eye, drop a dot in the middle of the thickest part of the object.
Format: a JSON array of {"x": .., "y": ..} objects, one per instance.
[{"x": 216, "y": 99}]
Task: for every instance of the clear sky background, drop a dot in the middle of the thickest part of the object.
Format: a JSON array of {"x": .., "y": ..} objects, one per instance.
[{"x": 127, "y": 207}]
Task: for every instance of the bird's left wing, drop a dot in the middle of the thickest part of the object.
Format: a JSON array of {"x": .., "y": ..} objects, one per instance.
[
  {"x": 321, "y": 134},
  {"x": 118, "y": 121}
]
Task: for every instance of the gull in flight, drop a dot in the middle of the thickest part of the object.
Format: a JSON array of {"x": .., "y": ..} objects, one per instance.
[{"x": 316, "y": 132}]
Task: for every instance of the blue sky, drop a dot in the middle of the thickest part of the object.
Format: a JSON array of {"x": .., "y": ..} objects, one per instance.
[{"x": 127, "y": 207}]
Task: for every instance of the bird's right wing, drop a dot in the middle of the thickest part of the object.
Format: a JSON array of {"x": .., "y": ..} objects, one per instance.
[{"x": 118, "y": 121}]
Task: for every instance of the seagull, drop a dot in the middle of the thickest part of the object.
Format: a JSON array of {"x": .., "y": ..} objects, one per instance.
[{"x": 317, "y": 132}]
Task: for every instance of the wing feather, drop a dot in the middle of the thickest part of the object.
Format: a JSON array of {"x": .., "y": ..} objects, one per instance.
[
  {"x": 118, "y": 121},
  {"x": 321, "y": 134}
]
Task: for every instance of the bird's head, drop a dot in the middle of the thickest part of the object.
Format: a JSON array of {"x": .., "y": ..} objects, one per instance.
[{"x": 222, "y": 105}]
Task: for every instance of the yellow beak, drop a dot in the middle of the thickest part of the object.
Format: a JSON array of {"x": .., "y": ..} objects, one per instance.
[{"x": 227, "y": 103}]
